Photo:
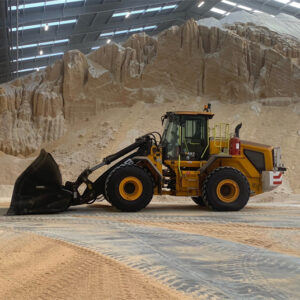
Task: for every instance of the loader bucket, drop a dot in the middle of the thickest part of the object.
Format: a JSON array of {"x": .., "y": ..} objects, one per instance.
[{"x": 39, "y": 189}]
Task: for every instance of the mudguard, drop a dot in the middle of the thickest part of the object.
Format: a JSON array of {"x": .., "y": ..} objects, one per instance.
[{"x": 39, "y": 189}]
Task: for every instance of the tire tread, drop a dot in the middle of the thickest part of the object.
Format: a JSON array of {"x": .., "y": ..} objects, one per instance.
[
  {"x": 204, "y": 189},
  {"x": 107, "y": 183}
]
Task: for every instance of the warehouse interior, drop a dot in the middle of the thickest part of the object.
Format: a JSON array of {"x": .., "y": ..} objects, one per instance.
[
  {"x": 149, "y": 149},
  {"x": 36, "y": 33}
]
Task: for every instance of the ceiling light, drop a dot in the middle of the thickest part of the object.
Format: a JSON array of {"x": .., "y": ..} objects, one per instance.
[
  {"x": 121, "y": 31},
  {"x": 140, "y": 11},
  {"x": 30, "y": 69},
  {"x": 44, "y": 3},
  {"x": 54, "y": 42},
  {"x": 229, "y": 2},
  {"x": 71, "y": 21},
  {"x": 295, "y": 4},
  {"x": 107, "y": 33},
  {"x": 245, "y": 7},
  {"x": 283, "y": 1},
  {"x": 120, "y": 14},
  {"x": 37, "y": 57},
  {"x": 201, "y": 3},
  {"x": 25, "y": 70},
  {"x": 218, "y": 11},
  {"x": 41, "y": 44},
  {"x": 170, "y": 6},
  {"x": 258, "y": 11},
  {"x": 41, "y": 52},
  {"x": 95, "y": 48},
  {"x": 151, "y": 9},
  {"x": 46, "y": 27},
  {"x": 136, "y": 29},
  {"x": 150, "y": 27},
  {"x": 108, "y": 41}
]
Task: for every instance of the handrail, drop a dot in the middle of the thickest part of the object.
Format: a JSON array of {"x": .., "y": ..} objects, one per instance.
[{"x": 221, "y": 136}]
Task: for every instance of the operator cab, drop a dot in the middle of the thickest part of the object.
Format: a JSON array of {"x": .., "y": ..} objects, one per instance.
[{"x": 185, "y": 136}]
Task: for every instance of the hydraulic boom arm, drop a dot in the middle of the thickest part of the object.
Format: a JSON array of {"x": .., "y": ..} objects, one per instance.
[{"x": 95, "y": 189}]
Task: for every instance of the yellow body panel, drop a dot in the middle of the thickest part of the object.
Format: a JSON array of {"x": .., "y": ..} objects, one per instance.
[
  {"x": 155, "y": 157},
  {"x": 215, "y": 147},
  {"x": 174, "y": 164},
  {"x": 189, "y": 182},
  {"x": 265, "y": 149},
  {"x": 242, "y": 164}
]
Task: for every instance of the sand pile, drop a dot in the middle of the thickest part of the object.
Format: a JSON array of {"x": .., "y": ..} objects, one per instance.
[
  {"x": 238, "y": 64},
  {"x": 88, "y": 142},
  {"x": 85, "y": 107},
  {"x": 284, "y": 24}
]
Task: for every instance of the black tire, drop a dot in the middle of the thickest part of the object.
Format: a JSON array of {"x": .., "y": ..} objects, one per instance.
[
  {"x": 138, "y": 187},
  {"x": 105, "y": 197},
  {"x": 199, "y": 201},
  {"x": 226, "y": 189}
]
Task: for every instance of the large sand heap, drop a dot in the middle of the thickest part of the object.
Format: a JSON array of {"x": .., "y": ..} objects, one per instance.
[
  {"x": 89, "y": 106},
  {"x": 240, "y": 64},
  {"x": 283, "y": 23}
]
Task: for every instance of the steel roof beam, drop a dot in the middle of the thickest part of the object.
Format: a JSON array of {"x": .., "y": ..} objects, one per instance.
[
  {"x": 64, "y": 48},
  {"x": 266, "y": 7},
  {"x": 269, "y": 7},
  {"x": 128, "y": 23},
  {"x": 51, "y": 14},
  {"x": 86, "y": 47},
  {"x": 4, "y": 52},
  {"x": 196, "y": 12}
]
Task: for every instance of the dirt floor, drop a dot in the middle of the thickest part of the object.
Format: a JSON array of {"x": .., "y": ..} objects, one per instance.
[
  {"x": 35, "y": 267},
  {"x": 170, "y": 250},
  {"x": 256, "y": 236}
]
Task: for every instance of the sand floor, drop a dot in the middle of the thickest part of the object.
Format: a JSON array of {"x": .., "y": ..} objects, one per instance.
[
  {"x": 170, "y": 250},
  {"x": 35, "y": 267}
]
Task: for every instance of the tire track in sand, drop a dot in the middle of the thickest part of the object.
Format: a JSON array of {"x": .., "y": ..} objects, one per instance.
[{"x": 35, "y": 267}]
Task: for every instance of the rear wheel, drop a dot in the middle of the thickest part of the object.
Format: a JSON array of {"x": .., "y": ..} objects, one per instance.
[
  {"x": 226, "y": 189},
  {"x": 129, "y": 188},
  {"x": 199, "y": 201}
]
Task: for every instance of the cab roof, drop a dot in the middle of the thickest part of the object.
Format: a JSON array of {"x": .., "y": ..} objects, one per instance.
[{"x": 192, "y": 113}]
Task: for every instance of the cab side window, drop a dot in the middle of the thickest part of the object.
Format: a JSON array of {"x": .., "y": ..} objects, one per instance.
[{"x": 194, "y": 138}]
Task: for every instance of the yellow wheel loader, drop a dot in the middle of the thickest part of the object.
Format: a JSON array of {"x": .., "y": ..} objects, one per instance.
[{"x": 210, "y": 165}]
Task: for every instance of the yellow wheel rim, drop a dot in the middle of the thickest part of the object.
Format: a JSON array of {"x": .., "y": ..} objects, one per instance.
[
  {"x": 130, "y": 188},
  {"x": 228, "y": 190}
]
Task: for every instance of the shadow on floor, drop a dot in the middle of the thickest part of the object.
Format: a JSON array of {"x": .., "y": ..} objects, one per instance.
[{"x": 3, "y": 211}]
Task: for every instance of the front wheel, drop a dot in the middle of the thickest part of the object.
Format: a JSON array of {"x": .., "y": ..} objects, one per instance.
[
  {"x": 226, "y": 189},
  {"x": 129, "y": 188}
]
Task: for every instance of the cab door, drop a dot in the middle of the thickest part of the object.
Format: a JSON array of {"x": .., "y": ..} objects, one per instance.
[{"x": 194, "y": 139}]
